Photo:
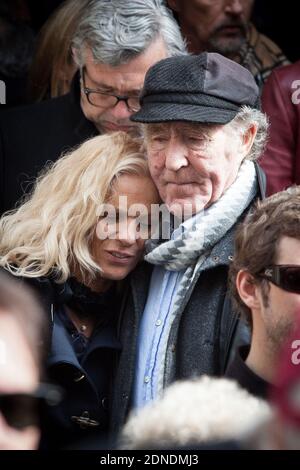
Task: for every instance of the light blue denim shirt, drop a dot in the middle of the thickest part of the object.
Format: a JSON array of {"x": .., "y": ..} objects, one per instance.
[{"x": 153, "y": 328}]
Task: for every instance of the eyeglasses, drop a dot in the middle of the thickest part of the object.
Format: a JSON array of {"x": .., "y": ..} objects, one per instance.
[
  {"x": 287, "y": 277},
  {"x": 102, "y": 99},
  {"x": 24, "y": 409}
]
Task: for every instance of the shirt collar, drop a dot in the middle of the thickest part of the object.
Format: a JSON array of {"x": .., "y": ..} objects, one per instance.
[
  {"x": 245, "y": 376},
  {"x": 61, "y": 348}
]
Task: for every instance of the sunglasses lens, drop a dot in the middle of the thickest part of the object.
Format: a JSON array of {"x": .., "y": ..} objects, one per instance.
[
  {"x": 20, "y": 411},
  {"x": 290, "y": 278}
]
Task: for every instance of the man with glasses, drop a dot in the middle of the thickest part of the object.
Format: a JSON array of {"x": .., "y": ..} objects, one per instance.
[
  {"x": 115, "y": 44},
  {"x": 104, "y": 107},
  {"x": 106, "y": 101},
  {"x": 21, "y": 397},
  {"x": 265, "y": 284}
]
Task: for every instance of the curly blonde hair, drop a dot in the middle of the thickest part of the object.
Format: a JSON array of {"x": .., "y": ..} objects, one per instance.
[{"x": 51, "y": 233}]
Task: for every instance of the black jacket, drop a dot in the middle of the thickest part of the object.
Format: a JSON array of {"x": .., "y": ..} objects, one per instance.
[
  {"x": 82, "y": 418},
  {"x": 32, "y": 135}
]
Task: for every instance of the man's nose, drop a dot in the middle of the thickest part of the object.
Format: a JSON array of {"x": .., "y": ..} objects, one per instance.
[
  {"x": 176, "y": 155},
  {"x": 121, "y": 111},
  {"x": 235, "y": 7}
]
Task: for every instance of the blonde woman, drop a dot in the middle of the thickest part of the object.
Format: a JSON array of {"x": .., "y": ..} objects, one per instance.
[{"x": 56, "y": 241}]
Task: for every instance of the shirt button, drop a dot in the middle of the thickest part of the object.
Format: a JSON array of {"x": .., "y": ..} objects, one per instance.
[
  {"x": 216, "y": 259},
  {"x": 158, "y": 323},
  {"x": 147, "y": 379},
  {"x": 230, "y": 258}
]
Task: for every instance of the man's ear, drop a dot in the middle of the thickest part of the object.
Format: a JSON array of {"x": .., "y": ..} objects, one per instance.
[
  {"x": 247, "y": 289},
  {"x": 173, "y": 5},
  {"x": 248, "y": 139}
]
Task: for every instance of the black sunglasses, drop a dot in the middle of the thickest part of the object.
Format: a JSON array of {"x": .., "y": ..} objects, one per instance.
[
  {"x": 24, "y": 409},
  {"x": 285, "y": 276}
]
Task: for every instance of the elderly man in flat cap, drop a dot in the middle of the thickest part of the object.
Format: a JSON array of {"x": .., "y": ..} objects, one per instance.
[{"x": 203, "y": 131}]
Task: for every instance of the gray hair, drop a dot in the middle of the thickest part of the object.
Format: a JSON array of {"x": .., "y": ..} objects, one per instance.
[
  {"x": 243, "y": 121},
  {"x": 119, "y": 30}
]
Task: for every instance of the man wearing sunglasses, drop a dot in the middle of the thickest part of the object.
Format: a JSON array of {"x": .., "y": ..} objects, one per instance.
[
  {"x": 115, "y": 44},
  {"x": 22, "y": 397},
  {"x": 265, "y": 284}
]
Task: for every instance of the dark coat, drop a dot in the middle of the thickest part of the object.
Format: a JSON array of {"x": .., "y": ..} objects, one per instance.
[
  {"x": 206, "y": 335},
  {"x": 82, "y": 418},
  {"x": 32, "y": 135}
]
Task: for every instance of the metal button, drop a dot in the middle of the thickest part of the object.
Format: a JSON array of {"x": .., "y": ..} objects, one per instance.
[
  {"x": 84, "y": 421},
  {"x": 230, "y": 258},
  {"x": 158, "y": 322},
  {"x": 147, "y": 379},
  {"x": 216, "y": 259}
]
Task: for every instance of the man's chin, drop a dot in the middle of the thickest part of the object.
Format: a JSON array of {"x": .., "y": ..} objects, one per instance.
[{"x": 227, "y": 44}]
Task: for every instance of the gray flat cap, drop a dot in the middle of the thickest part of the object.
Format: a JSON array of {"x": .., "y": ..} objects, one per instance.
[{"x": 206, "y": 88}]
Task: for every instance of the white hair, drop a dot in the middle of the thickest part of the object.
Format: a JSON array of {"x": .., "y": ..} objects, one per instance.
[
  {"x": 241, "y": 123},
  {"x": 119, "y": 30},
  {"x": 195, "y": 411}
]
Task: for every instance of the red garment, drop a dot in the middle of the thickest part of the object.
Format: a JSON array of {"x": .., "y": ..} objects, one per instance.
[{"x": 281, "y": 102}]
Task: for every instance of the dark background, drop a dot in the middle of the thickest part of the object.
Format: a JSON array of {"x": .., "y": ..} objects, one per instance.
[{"x": 280, "y": 20}]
